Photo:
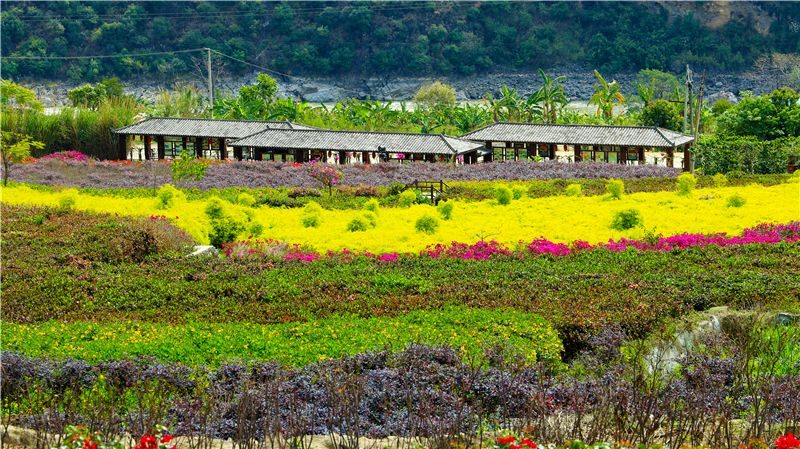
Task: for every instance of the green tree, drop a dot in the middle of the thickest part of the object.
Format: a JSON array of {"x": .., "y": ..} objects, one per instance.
[
  {"x": 187, "y": 168},
  {"x": 14, "y": 148},
  {"x": 12, "y": 95},
  {"x": 606, "y": 96},
  {"x": 661, "y": 113},
  {"x": 435, "y": 94}
]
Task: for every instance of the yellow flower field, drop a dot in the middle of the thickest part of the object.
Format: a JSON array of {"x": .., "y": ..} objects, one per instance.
[{"x": 559, "y": 218}]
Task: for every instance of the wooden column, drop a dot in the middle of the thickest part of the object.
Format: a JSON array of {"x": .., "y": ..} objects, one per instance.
[
  {"x": 184, "y": 143},
  {"x": 160, "y": 147},
  {"x": 687, "y": 158},
  {"x": 642, "y": 158},
  {"x": 223, "y": 149},
  {"x": 622, "y": 156},
  {"x": 198, "y": 146},
  {"x": 148, "y": 148},
  {"x": 670, "y": 157},
  {"x": 365, "y": 158},
  {"x": 258, "y": 154},
  {"x": 237, "y": 153},
  {"x": 122, "y": 147},
  {"x": 552, "y": 153},
  {"x": 577, "y": 150}
]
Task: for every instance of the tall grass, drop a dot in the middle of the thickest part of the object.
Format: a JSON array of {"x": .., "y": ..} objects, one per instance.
[{"x": 77, "y": 129}]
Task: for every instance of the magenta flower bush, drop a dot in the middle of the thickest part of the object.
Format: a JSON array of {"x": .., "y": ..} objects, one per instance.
[
  {"x": 759, "y": 235},
  {"x": 67, "y": 156}
]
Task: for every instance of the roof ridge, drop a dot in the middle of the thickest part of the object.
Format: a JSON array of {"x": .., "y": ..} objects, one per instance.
[
  {"x": 444, "y": 139},
  {"x": 357, "y": 131},
  {"x": 593, "y": 125},
  {"x": 671, "y": 142},
  {"x": 206, "y": 119}
]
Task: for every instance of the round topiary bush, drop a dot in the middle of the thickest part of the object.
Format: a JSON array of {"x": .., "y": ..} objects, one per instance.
[
  {"x": 736, "y": 200},
  {"x": 245, "y": 199},
  {"x": 686, "y": 184},
  {"x": 358, "y": 224},
  {"x": 615, "y": 189},
  {"x": 574, "y": 190},
  {"x": 311, "y": 217},
  {"x": 372, "y": 205},
  {"x": 626, "y": 219},
  {"x": 503, "y": 195},
  {"x": 407, "y": 198},
  {"x": 445, "y": 210},
  {"x": 427, "y": 224}
]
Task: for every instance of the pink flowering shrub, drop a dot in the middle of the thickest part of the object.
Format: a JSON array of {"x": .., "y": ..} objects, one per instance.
[
  {"x": 67, "y": 156},
  {"x": 758, "y": 235},
  {"x": 477, "y": 251}
]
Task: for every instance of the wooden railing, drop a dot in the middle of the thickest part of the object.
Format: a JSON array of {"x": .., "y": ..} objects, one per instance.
[{"x": 433, "y": 190}]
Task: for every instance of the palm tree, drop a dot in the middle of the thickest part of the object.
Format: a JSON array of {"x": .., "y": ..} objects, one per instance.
[{"x": 605, "y": 96}]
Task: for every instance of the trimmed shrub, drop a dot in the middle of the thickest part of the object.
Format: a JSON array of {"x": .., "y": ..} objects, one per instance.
[
  {"x": 167, "y": 194},
  {"x": 224, "y": 230},
  {"x": 245, "y": 199},
  {"x": 256, "y": 229},
  {"x": 445, "y": 210},
  {"x": 574, "y": 190},
  {"x": 311, "y": 215},
  {"x": 626, "y": 219},
  {"x": 396, "y": 188},
  {"x": 371, "y": 218},
  {"x": 303, "y": 191},
  {"x": 372, "y": 205},
  {"x": 615, "y": 189},
  {"x": 366, "y": 191},
  {"x": 516, "y": 193},
  {"x": 358, "y": 224},
  {"x": 427, "y": 224},
  {"x": 719, "y": 180},
  {"x": 214, "y": 209},
  {"x": 407, "y": 198},
  {"x": 68, "y": 199},
  {"x": 503, "y": 195},
  {"x": 736, "y": 200},
  {"x": 686, "y": 184}
]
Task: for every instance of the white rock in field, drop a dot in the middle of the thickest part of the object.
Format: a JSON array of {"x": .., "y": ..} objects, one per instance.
[{"x": 204, "y": 250}]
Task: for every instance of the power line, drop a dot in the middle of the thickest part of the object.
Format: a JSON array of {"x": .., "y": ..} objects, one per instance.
[
  {"x": 217, "y": 14},
  {"x": 242, "y": 61},
  {"x": 130, "y": 55},
  {"x": 286, "y": 75}
]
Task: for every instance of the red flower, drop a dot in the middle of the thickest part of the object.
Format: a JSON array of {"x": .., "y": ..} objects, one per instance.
[
  {"x": 515, "y": 446},
  {"x": 89, "y": 444},
  {"x": 530, "y": 443},
  {"x": 787, "y": 441},
  {"x": 505, "y": 440},
  {"x": 166, "y": 439},
  {"x": 147, "y": 442}
]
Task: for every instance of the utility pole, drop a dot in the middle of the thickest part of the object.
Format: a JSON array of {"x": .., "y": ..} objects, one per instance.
[
  {"x": 686, "y": 108},
  {"x": 211, "y": 83}
]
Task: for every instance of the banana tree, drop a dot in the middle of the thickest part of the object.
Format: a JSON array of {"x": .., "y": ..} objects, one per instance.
[
  {"x": 469, "y": 117},
  {"x": 551, "y": 97},
  {"x": 606, "y": 96}
]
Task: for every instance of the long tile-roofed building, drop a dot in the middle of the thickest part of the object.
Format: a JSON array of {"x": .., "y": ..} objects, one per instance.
[
  {"x": 358, "y": 141},
  {"x": 198, "y": 127},
  {"x": 631, "y": 136}
]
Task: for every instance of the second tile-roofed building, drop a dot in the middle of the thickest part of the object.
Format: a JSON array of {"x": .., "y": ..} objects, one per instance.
[
  {"x": 204, "y": 137},
  {"x": 352, "y": 146},
  {"x": 622, "y": 144}
]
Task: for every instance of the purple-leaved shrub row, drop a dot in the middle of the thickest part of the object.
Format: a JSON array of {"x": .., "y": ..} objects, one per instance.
[
  {"x": 428, "y": 395},
  {"x": 276, "y": 174}
]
